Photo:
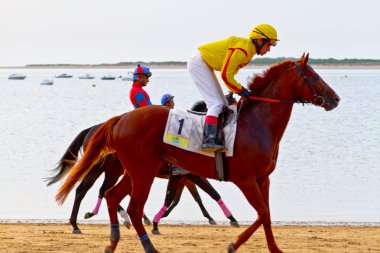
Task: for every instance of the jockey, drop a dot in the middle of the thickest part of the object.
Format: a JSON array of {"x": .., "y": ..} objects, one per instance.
[
  {"x": 138, "y": 95},
  {"x": 168, "y": 101},
  {"x": 226, "y": 56}
]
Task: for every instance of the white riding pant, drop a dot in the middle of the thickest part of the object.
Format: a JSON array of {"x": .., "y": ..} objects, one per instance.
[{"x": 207, "y": 84}]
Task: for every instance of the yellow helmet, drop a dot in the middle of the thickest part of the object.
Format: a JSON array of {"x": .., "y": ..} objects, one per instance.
[{"x": 264, "y": 31}]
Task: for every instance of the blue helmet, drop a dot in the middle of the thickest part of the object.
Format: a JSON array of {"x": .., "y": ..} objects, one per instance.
[
  {"x": 142, "y": 70},
  {"x": 166, "y": 98}
]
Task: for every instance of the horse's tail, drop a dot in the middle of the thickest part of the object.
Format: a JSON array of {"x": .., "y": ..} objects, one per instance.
[
  {"x": 69, "y": 158},
  {"x": 99, "y": 146}
]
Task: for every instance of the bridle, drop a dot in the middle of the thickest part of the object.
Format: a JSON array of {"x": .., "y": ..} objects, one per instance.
[
  {"x": 310, "y": 82},
  {"x": 318, "y": 100}
]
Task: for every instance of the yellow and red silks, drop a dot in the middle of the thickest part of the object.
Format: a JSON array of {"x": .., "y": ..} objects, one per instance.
[{"x": 228, "y": 56}]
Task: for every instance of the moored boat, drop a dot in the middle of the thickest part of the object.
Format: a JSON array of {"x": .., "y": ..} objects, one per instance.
[
  {"x": 17, "y": 77},
  {"x": 47, "y": 82},
  {"x": 86, "y": 76},
  {"x": 108, "y": 77},
  {"x": 64, "y": 76}
]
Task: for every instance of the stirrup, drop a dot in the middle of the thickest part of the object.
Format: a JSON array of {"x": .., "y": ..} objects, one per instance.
[{"x": 208, "y": 147}]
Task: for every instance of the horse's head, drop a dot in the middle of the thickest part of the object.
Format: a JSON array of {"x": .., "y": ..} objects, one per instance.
[{"x": 312, "y": 88}]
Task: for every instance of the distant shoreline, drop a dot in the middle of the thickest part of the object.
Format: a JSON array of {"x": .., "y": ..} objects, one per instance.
[{"x": 183, "y": 66}]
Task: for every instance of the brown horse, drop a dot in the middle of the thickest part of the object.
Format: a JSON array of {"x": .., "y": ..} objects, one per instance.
[
  {"x": 113, "y": 169},
  {"x": 137, "y": 139}
]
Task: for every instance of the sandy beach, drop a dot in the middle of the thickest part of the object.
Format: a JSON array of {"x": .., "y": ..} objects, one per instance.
[{"x": 22, "y": 237}]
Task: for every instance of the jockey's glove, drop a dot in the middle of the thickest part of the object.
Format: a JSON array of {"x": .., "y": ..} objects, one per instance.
[{"x": 244, "y": 93}]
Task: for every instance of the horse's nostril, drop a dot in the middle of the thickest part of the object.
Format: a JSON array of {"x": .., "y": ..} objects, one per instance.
[{"x": 337, "y": 99}]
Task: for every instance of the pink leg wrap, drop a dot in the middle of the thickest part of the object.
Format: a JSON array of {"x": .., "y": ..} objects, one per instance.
[
  {"x": 159, "y": 215},
  {"x": 96, "y": 209},
  {"x": 224, "y": 208}
]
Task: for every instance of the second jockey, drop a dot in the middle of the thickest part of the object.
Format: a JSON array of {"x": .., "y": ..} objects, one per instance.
[{"x": 138, "y": 96}]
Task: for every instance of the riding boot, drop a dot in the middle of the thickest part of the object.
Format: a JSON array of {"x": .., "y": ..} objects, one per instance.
[{"x": 209, "y": 139}]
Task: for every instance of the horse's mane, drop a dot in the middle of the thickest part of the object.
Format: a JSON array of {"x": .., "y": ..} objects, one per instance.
[{"x": 258, "y": 83}]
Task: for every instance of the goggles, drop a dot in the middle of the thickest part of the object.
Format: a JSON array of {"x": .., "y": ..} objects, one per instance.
[
  {"x": 143, "y": 74},
  {"x": 273, "y": 43}
]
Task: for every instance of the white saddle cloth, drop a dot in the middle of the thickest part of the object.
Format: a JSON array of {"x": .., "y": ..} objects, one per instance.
[{"x": 185, "y": 130}]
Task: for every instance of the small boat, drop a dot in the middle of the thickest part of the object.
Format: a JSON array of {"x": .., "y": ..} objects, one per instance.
[
  {"x": 47, "y": 82},
  {"x": 64, "y": 76},
  {"x": 128, "y": 77},
  {"x": 86, "y": 76},
  {"x": 108, "y": 77},
  {"x": 17, "y": 77}
]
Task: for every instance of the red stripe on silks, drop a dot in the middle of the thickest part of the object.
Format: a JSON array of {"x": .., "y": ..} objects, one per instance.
[
  {"x": 243, "y": 50},
  {"x": 212, "y": 120},
  {"x": 224, "y": 72}
]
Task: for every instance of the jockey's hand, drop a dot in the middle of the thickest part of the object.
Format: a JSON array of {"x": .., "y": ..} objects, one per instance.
[{"x": 244, "y": 93}]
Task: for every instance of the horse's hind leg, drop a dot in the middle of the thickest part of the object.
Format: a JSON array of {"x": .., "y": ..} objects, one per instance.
[
  {"x": 173, "y": 194},
  {"x": 114, "y": 196},
  {"x": 141, "y": 188},
  {"x": 252, "y": 191},
  {"x": 80, "y": 193},
  {"x": 107, "y": 184}
]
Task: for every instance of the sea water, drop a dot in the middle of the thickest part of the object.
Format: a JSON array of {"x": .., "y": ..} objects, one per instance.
[{"x": 327, "y": 172}]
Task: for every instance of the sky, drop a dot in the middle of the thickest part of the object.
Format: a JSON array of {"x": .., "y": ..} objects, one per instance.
[{"x": 112, "y": 31}]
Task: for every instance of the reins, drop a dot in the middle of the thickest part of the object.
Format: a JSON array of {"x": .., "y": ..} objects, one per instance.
[{"x": 307, "y": 80}]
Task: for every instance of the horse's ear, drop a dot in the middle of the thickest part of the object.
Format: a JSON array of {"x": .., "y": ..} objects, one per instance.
[
  {"x": 302, "y": 57},
  {"x": 303, "y": 60},
  {"x": 306, "y": 58}
]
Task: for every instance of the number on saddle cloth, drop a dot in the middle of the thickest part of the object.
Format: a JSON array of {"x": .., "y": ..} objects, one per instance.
[{"x": 184, "y": 130}]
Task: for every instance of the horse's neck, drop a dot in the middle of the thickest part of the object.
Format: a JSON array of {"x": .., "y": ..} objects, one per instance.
[{"x": 276, "y": 115}]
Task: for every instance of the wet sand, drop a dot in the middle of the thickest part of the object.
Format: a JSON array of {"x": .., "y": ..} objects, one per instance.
[{"x": 22, "y": 237}]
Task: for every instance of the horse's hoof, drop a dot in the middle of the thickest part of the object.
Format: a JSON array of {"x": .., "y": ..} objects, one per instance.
[
  {"x": 88, "y": 215},
  {"x": 231, "y": 248},
  {"x": 147, "y": 222},
  {"x": 235, "y": 224},
  {"x": 127, "y": 224},
  {"x": 212, "y": 222},
  {"x": 156, "y": 232},
  {"x": 108, "y": 249},
  {"x": 77, "y": 232}
]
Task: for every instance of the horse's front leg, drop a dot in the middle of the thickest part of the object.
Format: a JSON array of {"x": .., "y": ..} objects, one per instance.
[
  {"x": 194, "y": 192},
  {"x": 114, "y": 196},
  {"x": 206, "y": 186},
  {"x": 252, "y": 191},
  {"x": 264, "y": 188}
]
